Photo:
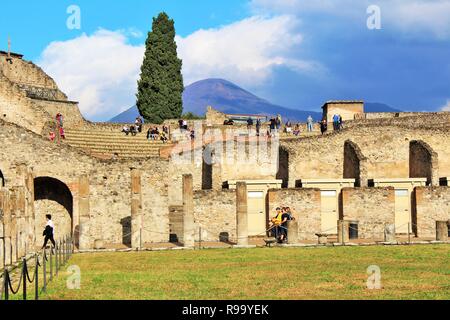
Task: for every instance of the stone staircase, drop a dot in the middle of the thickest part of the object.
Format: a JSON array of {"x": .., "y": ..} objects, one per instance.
[{"x": 106, "y": 144}]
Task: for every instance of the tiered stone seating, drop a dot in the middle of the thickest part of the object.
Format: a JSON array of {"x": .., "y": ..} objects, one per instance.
[{"x": 105, "y": 144}]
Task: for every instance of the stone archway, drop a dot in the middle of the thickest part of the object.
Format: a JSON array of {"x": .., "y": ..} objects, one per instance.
[
  {"x": 423, "y": 162},
  {"x": 52, "y": 196},
  {"x": 354, "y": 164}
]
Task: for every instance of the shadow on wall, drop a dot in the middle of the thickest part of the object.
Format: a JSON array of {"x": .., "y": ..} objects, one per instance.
[{"x": 126, "y": 231}]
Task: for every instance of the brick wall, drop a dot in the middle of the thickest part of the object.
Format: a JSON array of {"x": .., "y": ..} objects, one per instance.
[
  {"x": 432, "y": 204},
  {"x": 373, "y": 208}
]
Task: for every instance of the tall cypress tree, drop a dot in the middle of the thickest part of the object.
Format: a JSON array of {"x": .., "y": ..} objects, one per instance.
[{"x": 161, "y": 87}]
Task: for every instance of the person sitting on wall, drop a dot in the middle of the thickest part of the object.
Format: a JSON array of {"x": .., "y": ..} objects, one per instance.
[
  {"x": 285, "y": 217},
  {"x": 138, "y": 124},
  {"x": 275, "y": 223},
  {"x": 163, "y": 137},
  {"x": 296, "y": 131},
  {"x": 126, "y": 130}
]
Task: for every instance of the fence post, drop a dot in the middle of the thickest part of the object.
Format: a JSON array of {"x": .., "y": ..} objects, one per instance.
[
  {"x": 44, "y": 270},
  {"x": 409, "y": 233},
  {"x": 5, "y": 282},
  {"x": 64, "y": 251},
  {"x": 199, "y": 237},
  {"x": 51, "y": 264},
  {"x": 24, "y": 278},
  {"x": 57, "y": 265},
  {"x": 36, "y": 279}
]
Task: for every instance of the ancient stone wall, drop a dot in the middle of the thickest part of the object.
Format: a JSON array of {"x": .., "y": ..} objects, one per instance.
[
  {"x": 323, "y": 157},
  {"x": 432, "y": 204},
  {"x": 215, "y": 213},
  {"x": 372, "y": 208},
  {"x": 109, "y": 185},
  {"x": 305, "y": 205}
]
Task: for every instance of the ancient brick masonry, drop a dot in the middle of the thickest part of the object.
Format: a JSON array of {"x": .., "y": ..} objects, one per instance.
[{"x": 134, "y": 202}]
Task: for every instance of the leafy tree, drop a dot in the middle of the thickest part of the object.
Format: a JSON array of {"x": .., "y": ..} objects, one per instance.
[
  {"x": 192, "y": 116},
  {"x": 160, "y": 87}
]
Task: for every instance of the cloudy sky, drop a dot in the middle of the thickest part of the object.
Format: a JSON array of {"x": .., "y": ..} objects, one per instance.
[{"x": 296, "y": 53}]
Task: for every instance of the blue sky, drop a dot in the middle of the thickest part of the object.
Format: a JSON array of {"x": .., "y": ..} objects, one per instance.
[{"x": 297, "y": 53}]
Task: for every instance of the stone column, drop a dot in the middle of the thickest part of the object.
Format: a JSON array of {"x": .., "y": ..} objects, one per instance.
[
  {"x": 241, "y": 214},
  {"x": 441, "y": 231},
  {"x": 4, "y": 221},
  {"x": 82, "y": 228},
  {"x": 136, "y": 208},
  {"x": 188, "y": 211},
  {"x": 292, "y": 231},
  {"x": 343, "y": 231}
]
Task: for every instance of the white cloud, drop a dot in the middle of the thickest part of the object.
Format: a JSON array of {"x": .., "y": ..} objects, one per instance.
[
  {"x": 447, "y": 106},
  {"x": 246, "y": 51},
  {"x": 407, "y": 16},
  {"x": 100, "y": 71}
]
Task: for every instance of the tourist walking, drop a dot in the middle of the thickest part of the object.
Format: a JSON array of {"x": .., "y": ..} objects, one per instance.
[
  {"x": 336, "y": 122},
  {"x": 49, "y": 231},
  {"x": 323, "y": 126},
  {"x": 258, "y": 127},
  {"x": 310, "y": 122}
]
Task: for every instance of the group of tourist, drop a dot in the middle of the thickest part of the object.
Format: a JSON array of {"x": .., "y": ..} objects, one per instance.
[
  {"x": 59, "y": 128},
  {"x": 184, "y": 128},
  {"x": 133, "y": 129},
  {"x": 279, "y": 224},
  {"x": 275, "y": 126},
  {"x": 156, "y": 134}
]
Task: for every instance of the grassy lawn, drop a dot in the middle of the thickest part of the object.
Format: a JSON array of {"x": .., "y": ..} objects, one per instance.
[{"x": 408, "y": 272}]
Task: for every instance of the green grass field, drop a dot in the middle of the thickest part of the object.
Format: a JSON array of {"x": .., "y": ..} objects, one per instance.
[{"x": 408, "y": 272}]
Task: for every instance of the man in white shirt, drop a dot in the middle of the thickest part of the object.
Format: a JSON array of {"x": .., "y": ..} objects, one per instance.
[{"x": 49, "y": 231}]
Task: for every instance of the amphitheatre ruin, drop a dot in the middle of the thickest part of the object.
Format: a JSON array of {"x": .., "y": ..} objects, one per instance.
[{"x": 109, "y": 190}]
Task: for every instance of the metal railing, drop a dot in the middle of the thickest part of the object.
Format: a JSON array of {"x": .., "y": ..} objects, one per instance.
[{"x": 58, "y": 255}]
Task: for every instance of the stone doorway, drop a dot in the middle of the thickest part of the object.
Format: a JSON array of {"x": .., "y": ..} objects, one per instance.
[{"x": 52, "y": 196}]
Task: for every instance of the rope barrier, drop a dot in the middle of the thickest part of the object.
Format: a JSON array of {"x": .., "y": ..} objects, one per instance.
[{"x": 7, "y": 283}]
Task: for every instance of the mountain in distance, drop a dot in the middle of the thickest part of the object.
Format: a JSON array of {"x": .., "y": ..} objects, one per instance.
[{"x": 229, "y": 98}]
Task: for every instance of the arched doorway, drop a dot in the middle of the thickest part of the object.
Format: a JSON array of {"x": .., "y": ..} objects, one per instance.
[
  {"x": 53, "y": 197},
  {"x": 423, "y": 162},
  {"x": 353, "y": 163}
]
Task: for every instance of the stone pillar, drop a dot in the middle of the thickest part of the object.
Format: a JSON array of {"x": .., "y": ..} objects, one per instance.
[
  {"x": 292, "y": 232},
  {"x": 136, "y": 208},
  {"x": 82, "y": 228},
  {"x": 241, "y": 214},
  {"x": 343, "y": 231},
  {"x": 188, "y": 211},
  {"x": 441, "y": 231}
]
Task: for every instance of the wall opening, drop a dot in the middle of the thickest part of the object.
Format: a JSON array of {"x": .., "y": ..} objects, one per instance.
[
  {"x": 207, "y": 182},
  {"x": 2, "y": 179},
  {"x": 352, "y": 163},
  {"x": 53, "y": 197},
  {"x": 283, "y": 167},
  {"x": 422, "y": 161}
]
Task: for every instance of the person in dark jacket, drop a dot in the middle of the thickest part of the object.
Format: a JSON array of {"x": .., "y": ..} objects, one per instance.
[{"x": 49, "y": 231}]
